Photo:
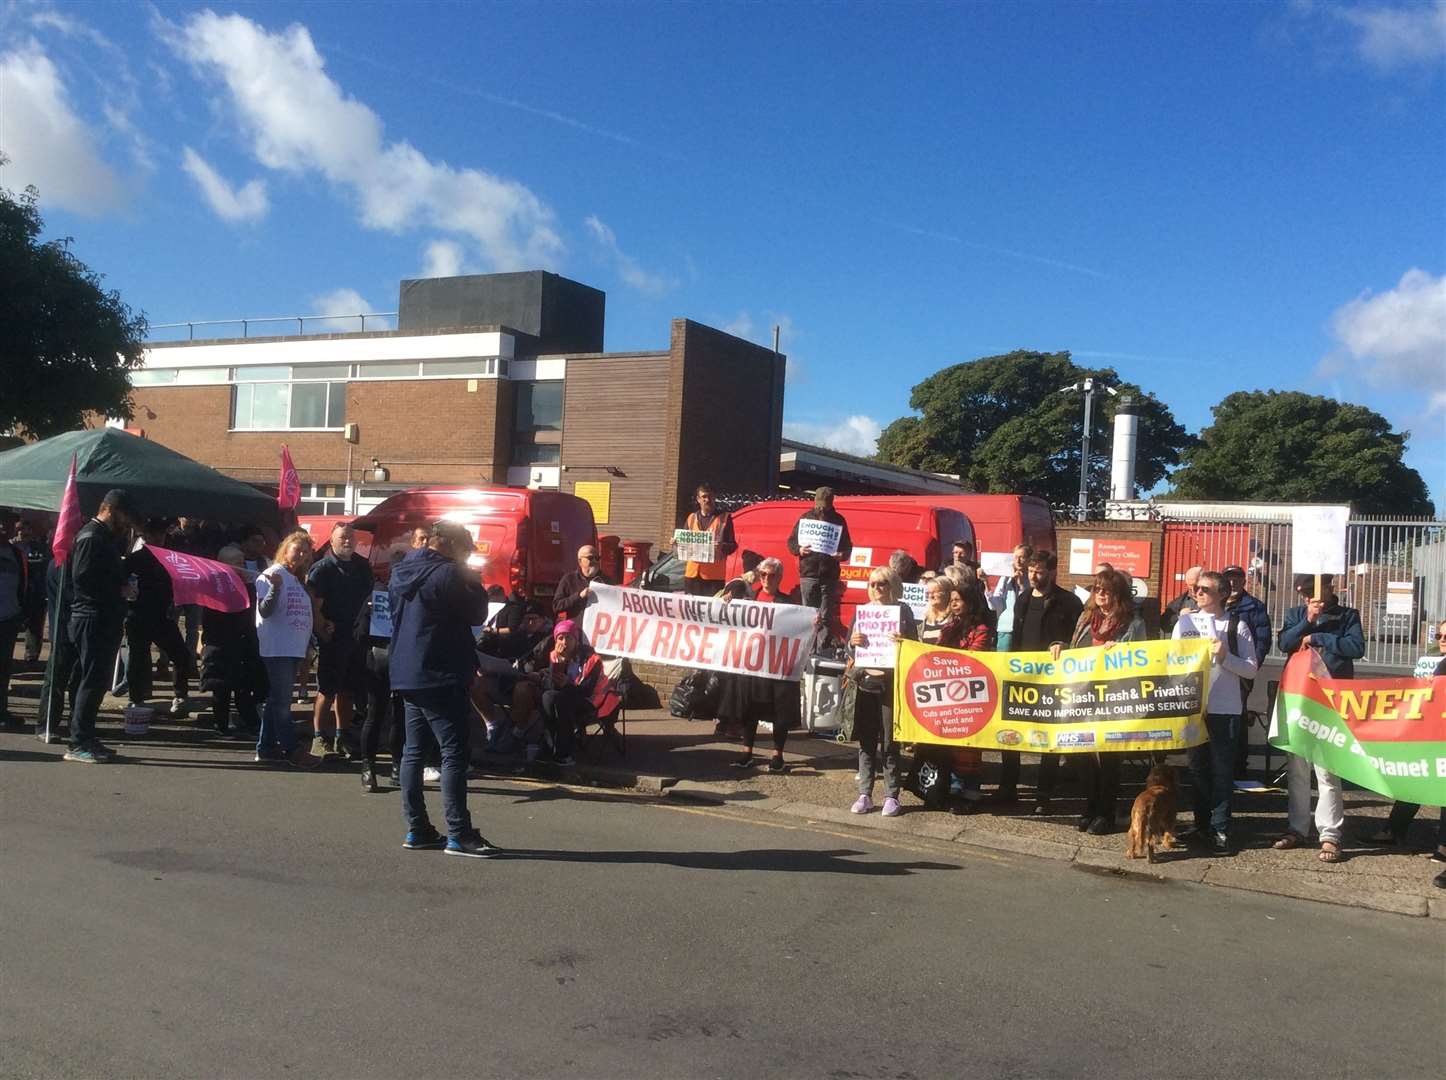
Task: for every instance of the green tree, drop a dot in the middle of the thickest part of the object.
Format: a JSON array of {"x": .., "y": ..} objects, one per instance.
[
  {"x": 1285, "y": 446},
  {"x": 66, "y": 344},
  {"x": 1001, "y": 423}
]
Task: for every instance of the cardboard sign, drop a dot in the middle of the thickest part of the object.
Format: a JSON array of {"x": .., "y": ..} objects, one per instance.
[
  {"x": 1130, "y": 557},
  {"x": 997, "y": 563},
  {"x": 694, "y": 545},
  {"x": 1426, "y": 665},
  {"x": 916, "y": 596},
  {"x": 879, "y": 623},
  {"x": 381, "y": 624},
  {"x": 1318, "y": 539},
  {"x": 821, "y": 536},
  {"x": 1400, "y": 597}
]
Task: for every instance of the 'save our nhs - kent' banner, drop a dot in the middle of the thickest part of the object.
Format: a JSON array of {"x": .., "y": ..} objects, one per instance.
[{"x": 741, "y": 636}]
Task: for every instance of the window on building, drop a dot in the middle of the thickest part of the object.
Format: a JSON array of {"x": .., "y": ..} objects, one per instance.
[
  {"x": 322, "y": 500},
  {"x": 202, "y": 376},
  {"x": 387, "y": 369},
  {"x": 153, "y": 377},
  {"x": 531, "y": 453},
  {"x": 306, "y": 396},
  {"x": 477, "y": 365},
  {"x": 538, "y": 407}
]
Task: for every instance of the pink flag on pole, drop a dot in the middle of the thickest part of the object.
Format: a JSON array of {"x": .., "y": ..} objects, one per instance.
[
  {"x": 288, "y": 487},
  {"x": 71, "y": 519},
  {"x": 195, "y": 580}
]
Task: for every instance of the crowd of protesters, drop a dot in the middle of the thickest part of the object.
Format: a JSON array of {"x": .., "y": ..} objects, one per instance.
[{"x": 529, "y": 682}]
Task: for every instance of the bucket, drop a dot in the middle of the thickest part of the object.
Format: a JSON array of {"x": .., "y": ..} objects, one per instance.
[{"x": 138, "y": 719}]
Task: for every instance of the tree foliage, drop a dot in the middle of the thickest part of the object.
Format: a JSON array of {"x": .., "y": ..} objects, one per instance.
[
  {"x": 66, "y": 344},
  {"x": 1001, "y": 423},
  {"x": 1284, "y": 446}
]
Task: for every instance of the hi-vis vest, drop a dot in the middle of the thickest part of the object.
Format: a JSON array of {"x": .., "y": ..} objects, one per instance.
[{"x": 708, "y": 571}]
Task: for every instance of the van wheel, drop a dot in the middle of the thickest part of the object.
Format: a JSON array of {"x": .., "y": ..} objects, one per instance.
[{"x": 931, "y": 782}]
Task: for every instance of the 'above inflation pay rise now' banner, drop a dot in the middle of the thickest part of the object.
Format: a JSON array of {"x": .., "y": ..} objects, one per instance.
[{"x": 1144, "y": 695}]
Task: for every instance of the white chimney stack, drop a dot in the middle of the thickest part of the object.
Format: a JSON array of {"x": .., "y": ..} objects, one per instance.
[{"x": 1127, "y": 433}]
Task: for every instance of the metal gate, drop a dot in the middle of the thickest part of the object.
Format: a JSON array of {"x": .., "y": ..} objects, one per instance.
[{"x": 1395, "y": 574}]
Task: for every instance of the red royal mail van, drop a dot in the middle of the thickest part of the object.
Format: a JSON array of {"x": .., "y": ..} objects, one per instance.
[{"x": 523, "y": 540}]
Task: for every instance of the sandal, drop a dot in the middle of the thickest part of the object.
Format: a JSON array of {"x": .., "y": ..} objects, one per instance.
[
  {"x": 1290, "y": 840},
  {"x": 1330, "y": 851}
]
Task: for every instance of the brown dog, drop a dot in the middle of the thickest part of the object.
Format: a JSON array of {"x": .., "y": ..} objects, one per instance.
[{"x": 1152, "y": 818}]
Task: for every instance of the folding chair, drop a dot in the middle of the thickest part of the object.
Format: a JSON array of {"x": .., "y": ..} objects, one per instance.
[{"x": 609, "y": 709}]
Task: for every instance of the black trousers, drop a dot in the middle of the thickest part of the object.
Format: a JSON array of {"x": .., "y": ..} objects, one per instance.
[
  {"x": 34, "y": 630},
  {"x": 696, "y": 586},
  {"x": 384, "y": 712},
  {"x": 1100, "y": 777},
  {"x": 96, "y": 642},
  {"x": 244, "y": 699},
  {"x": 1049, "y": 766},
  {"x": 9, "y": 631},
  {"x": 167, "y": 638},
  {"x": 61, "y": 675}
]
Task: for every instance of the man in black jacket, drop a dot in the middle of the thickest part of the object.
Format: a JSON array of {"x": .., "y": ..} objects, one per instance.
[
  {"x": 576, "y": 585},
  {"x": 150, "y": 621},
  {"x": 1044, "y": 615},
  {"x": 818, "y": 573},
  {"x": 97, "y": 616}
]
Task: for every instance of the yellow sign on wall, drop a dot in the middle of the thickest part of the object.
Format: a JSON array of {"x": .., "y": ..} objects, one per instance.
[{"x": 598, "y": 494}]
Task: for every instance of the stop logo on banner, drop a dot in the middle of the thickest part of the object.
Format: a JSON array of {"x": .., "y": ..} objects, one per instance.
[{"x": 951, "y": 694}]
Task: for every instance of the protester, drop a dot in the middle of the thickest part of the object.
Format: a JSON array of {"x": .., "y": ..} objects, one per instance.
[
  {"x": 1243, "y": 607},
  {"x": 1110, "y": 621},
  {"x": 961, "y": 554},
  {"x": 748, "y": 700},
  {"x": 1006, "y": 591},
  {"x": 705, "y": 579},
  {"x": 1232, "y": 658},
  {"x": 874, "y": 703},
  {"x": 573, "y": 685},
  {"x": 1334, "y": 631},
  {"x": 420, "y": 536},
  {"x": 903, "y": 564},
  {"x": 14, "y": 592},
  {"x": 253, "y": 549},
  {"x": 194, "y": 537},
  {"x": 342, "y": 583},
  {"x": 435, "y": 601},
  {"x": 576, "y": 585},
  {"x": 231, "y": 668},
  {"x": 36, "y": 548},
  {"x": 942, "y": 625},
  {"x": 383, "y": 707},
  {"x": 1044, "y": 615},
  {"x": 818, "y": 573},
  {"x": 968, "y": 628},
  {"x": 975, "y": 617},
  {"x": 149, "y": 621},
  {"x": 99, "y": 593},
  {"x": 1183, "y": 603},
  {"x": 284, "y": 620}
]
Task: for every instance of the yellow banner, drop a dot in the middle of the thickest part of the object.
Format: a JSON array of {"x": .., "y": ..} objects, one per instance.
[{"x": 1142, "y": 695}]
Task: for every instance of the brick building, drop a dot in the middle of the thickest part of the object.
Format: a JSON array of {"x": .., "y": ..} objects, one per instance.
[{"x": 497, "y": 378}]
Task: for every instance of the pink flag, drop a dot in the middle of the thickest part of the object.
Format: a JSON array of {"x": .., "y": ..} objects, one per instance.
[
  {"x": 71, "y": 519},
  {"x": 288, "y": 487},
  {"x": 195, "y": 580}
]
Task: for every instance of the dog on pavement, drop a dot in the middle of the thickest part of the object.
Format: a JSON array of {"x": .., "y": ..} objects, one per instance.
[{"x": 1152, "y": 818}]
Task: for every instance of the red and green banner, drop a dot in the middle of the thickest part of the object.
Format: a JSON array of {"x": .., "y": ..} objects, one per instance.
[{"x": 1386, "y": 735}]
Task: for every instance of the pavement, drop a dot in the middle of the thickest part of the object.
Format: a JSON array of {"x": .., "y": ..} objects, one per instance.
[
  {"x": 685, "y": 761},
  {"x": 183, "y": 912}
]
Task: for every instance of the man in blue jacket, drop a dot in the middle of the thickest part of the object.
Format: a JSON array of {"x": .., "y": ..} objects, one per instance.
[
  {"x": 435, "y": 601},
  {"x": 1333, "y": 630}
]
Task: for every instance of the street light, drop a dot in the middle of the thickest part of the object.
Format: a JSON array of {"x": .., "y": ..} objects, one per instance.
[{"x": 1088, "y": 386}]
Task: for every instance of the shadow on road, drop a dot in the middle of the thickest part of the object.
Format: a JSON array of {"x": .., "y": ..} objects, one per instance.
[{"x": 787, "y": 860}]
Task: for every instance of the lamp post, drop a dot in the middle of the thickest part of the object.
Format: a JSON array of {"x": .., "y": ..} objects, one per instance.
[{"x": 1088, "y": 386}]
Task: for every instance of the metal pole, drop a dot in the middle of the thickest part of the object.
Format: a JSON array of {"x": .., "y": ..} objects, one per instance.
[{"x": 1084, "y": 450}]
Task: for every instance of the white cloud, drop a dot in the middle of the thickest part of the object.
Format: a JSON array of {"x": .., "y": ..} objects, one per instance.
[
  {"x": 740, "y": 326},
  {"x": 298, "y": 120},
  {"x": 247, "y": 203},
  {"x": 648, "y": 284},
  {"x": 744, "y": 326},
  {"x": 1393, "y": 36},
  {"x": 47, "y": 143},
  {"x": 444, "y": 259},
  {"x": 857, "y": 435},
  {"x": 344, "y": 305},
  {"x": 1398, "y": 337}
]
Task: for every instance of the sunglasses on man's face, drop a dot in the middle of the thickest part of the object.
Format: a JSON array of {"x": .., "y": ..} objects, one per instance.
[{"x": 1206, "y": 589}]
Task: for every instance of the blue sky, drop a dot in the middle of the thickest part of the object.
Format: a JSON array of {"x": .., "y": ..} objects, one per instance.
[{"x": 1207, "y": 197}]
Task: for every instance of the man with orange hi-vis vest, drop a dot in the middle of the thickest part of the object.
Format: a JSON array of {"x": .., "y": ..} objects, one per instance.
[{"x": 706, "y": 578}]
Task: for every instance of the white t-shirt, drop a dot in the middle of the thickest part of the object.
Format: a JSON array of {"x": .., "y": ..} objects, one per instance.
[
  {"x": 1225, "y": 696},
  {"x": 287, "y": 630}
]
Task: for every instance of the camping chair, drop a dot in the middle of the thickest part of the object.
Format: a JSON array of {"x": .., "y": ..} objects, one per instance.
[{"x": 609, "y": 701}]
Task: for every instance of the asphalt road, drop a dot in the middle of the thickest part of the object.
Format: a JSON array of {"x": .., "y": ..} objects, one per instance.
[{"x": 185, "y": 914}]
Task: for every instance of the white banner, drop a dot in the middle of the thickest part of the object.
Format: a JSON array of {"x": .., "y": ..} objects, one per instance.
[
  {"x": 742, "y": 637},
  {"x": 820, "y": 536},
  {"x": 879, "y": 623}
]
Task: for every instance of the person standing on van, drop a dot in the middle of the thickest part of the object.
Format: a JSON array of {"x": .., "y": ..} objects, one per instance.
[
  {"x": 818, "y": 573},
  {"x": 705, "y": 579},
  {"x": 576, "y": 585},
  {"x": 435, "y": 602},
  {"x": 1006, "y": 593},
  {"x": 342, "y": 582},
  {"x": 1044, "y": 615}
]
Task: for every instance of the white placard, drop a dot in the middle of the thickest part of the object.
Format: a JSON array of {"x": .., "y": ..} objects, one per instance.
[
  {"x": 1426, "y": 666},
  {"x": 820, "y": 536},
  {"x": 381, "y": 625},
  {"x": 917, "y": 599},
  {"x": 879, "y": 623},
  {"x": 1400, "y": 598},
  {"x": 997, "y": 563},
  {"x": 1318, "y": 539},
  {"x": 694, "y": 545},
  {"x": 1197, "y": 624},
  {"x": 1082, "y": 556}
]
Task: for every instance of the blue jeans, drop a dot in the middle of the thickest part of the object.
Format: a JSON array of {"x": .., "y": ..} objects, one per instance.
[
  {"x": 1212, "y": 771},
  {"x": 276, "y": 729},
  {"x": 446, "y": 713}
]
